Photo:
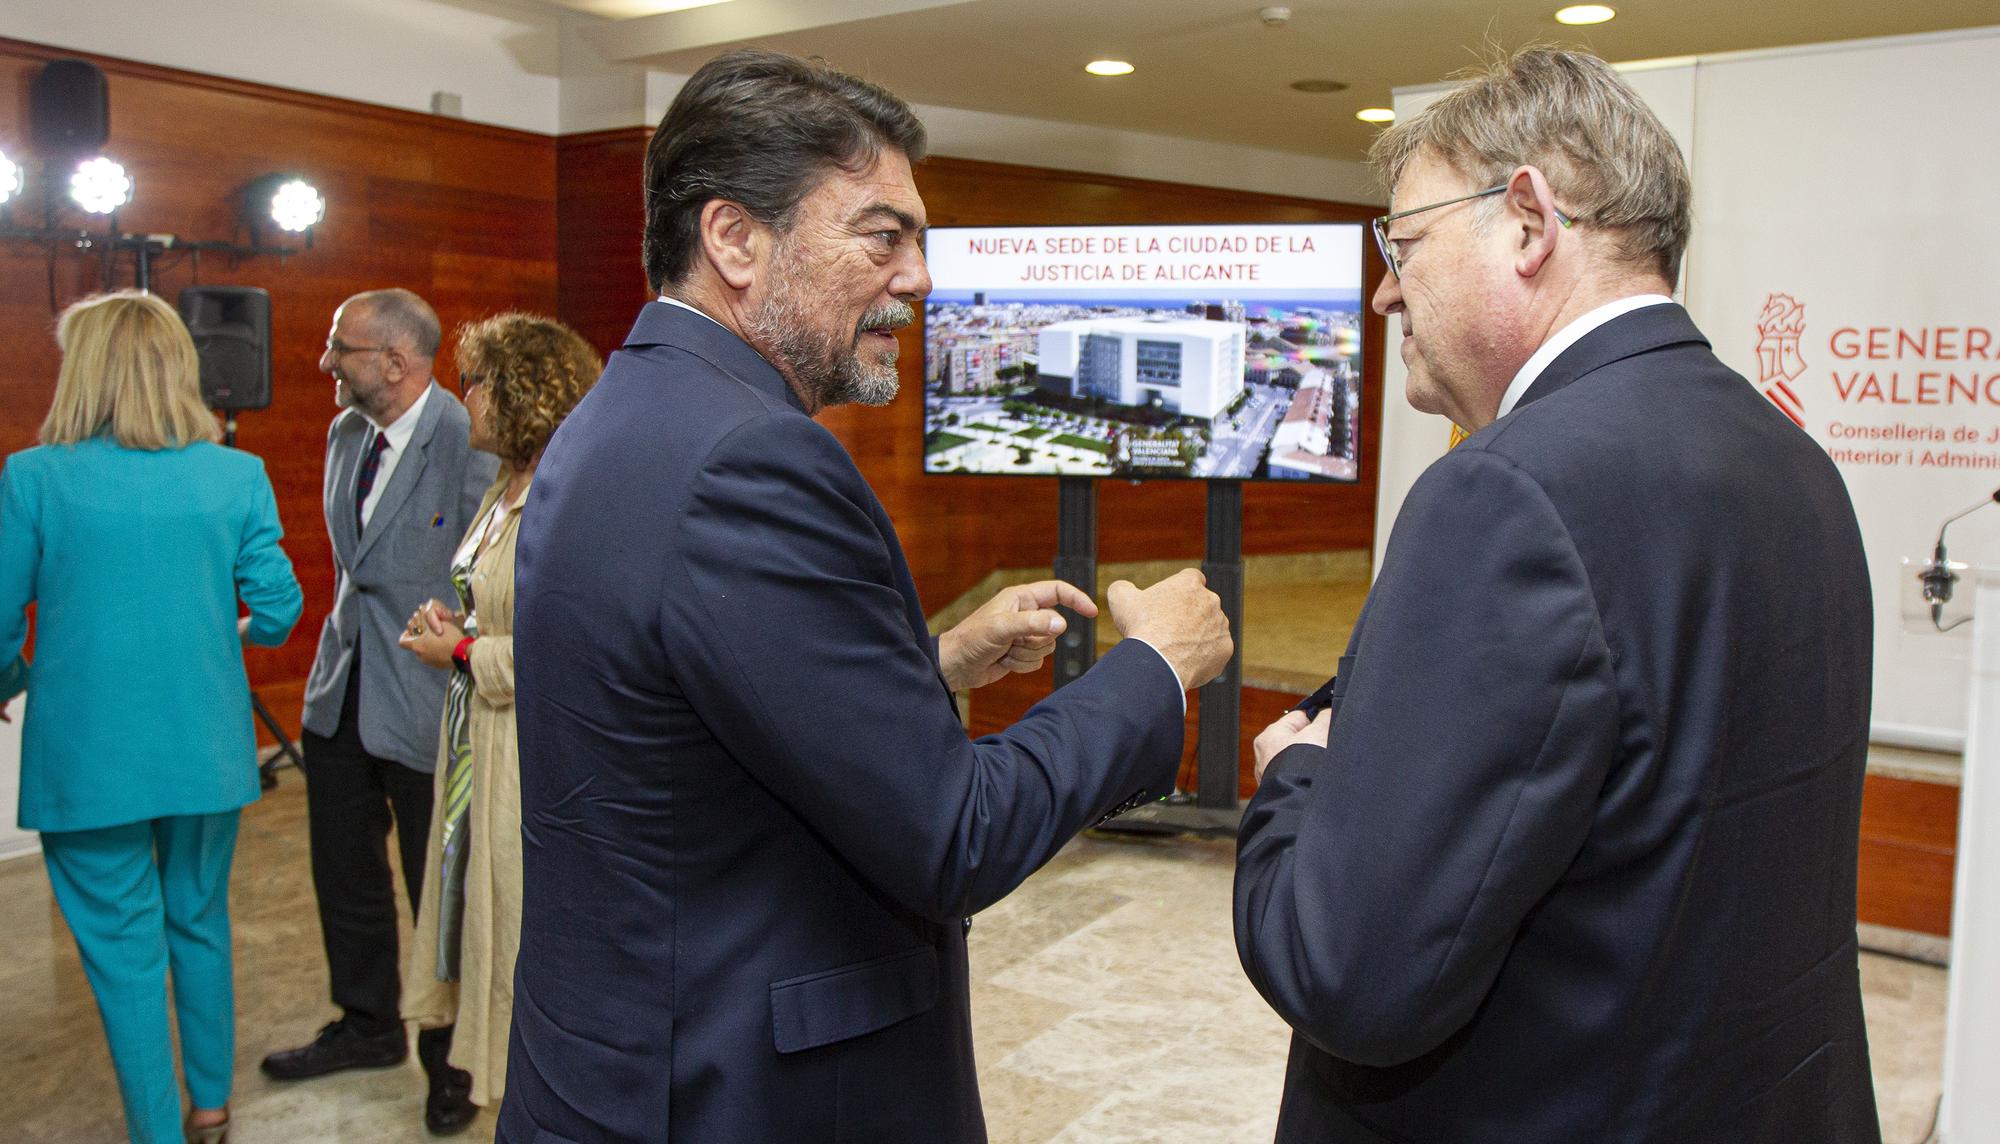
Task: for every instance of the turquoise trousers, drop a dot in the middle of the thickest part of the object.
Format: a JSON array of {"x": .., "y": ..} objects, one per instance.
[{"x": 140, "y": 898}]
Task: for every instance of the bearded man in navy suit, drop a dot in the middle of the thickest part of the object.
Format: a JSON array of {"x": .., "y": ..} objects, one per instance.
[
  {"x": 752, "y": 823},
  {"x": 1567, "y": 852}
]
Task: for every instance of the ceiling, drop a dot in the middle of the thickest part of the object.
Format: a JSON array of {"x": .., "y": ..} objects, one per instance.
[{"x": 1211, "y": 69}]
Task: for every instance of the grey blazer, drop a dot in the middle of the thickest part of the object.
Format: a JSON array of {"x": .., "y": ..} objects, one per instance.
[{"x": 385, "y": 573}]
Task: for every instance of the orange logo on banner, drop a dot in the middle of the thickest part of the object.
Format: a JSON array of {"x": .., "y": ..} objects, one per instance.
[{"x": 1778, "y": 359}]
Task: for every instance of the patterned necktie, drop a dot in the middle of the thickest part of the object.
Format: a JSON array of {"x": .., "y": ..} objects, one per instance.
[{"x": 364, "y": 481}]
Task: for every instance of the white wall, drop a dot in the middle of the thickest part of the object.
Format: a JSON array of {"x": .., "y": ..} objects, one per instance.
[
  {"x": 1139, "y": 155},
  {"x": 524, "y": 65},
  {"x": 501, "y": 57},
  {"x": 966, "y": 134}
]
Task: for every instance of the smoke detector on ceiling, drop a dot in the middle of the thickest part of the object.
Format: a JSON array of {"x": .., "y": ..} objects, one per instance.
[{"x": 1275, "y": 16}]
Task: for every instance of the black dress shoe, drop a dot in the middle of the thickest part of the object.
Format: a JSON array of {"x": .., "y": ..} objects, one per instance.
[
  {"x": 449, "y": 1110},
  {"x": 338, "y": 1047}
]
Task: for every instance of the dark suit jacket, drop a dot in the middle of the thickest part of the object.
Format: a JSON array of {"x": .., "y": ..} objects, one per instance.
[
  {"x": 1578, "y": 864},
  {"x": 752, "y": 821}
]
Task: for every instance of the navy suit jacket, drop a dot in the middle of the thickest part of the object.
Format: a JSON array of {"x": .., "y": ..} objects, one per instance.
[
  {"x": 1578, "y": 863},
  {"x": 752, "y": 822}
]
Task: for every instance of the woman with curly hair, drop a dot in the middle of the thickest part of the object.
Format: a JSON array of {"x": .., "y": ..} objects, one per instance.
[{"x": 521, "y": 375}]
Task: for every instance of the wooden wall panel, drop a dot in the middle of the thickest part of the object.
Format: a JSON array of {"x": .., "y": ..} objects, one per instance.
[
  {"x": 957, "y": 529},
  {"x": 461, "y": 213},
  {"x": 600, "y": 218},
  {"x": 1909, "y": 846}
]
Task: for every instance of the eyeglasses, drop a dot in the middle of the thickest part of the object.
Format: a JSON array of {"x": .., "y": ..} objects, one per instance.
[
  {"x": 339, "y": 350},
  {"x": 468, "y": 382},
  {"x": 1387, "y": 245}
]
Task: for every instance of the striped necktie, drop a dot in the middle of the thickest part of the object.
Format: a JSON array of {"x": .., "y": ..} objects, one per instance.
[{"x": 364, "y": 481}]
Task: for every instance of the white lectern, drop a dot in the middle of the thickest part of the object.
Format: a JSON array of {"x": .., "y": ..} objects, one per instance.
[{"x": 1971, "y": 1112}]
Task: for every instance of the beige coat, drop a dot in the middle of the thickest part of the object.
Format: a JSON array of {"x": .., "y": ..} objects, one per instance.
[{"x": 481, "y": 1003}]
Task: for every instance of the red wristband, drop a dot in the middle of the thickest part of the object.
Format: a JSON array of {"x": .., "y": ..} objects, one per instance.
[{"x": 461, "y": 656}]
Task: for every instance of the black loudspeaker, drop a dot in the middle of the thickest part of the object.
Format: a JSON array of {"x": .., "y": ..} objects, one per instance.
[
  {"x": 69, "y": 108},
  {"x": 232, "y": 333}
]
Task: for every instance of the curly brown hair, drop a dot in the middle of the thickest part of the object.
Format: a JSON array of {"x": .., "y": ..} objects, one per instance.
[{"x": 535, "y": 370}]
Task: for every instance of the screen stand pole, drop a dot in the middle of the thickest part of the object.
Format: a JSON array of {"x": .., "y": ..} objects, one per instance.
[
  {"x": 1217, "y": 741},
  {"x": 1211, "y": 809},
  {"x": 1076, "y": 562}
]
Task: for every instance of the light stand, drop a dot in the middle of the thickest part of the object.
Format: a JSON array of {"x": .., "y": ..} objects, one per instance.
[
  {"x": 267, "y": 771},
  {"x": 143, "y": 247}
]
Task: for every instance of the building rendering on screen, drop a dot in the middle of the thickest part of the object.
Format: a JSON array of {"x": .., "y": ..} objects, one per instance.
[{"x": 1193, "y": 367}]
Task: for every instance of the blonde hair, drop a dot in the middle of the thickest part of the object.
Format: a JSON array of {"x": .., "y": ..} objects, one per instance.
[
  {"x": 1609, "y": 159},
  {"x": 535, "y": 370},
  {"x": 130, "y": 371}
]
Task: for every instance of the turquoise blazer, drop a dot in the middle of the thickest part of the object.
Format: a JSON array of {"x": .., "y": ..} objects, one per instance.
[{"x": 138, "y": 706}]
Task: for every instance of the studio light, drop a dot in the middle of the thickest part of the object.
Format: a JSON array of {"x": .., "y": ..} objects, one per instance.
[
  {"x": 296, "y": 205},
  {"x": 10, "y": 178},
  {"x": 69, "y": 120},
  {"x": 100, "y": 186}
]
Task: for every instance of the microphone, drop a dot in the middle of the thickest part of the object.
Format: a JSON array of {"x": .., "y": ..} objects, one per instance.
[{"x": 1938, "y": 579}]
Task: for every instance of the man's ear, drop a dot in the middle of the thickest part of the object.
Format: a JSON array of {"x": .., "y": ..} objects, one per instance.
[
  {"x": 1530, "y": 208},
  {"x": 395, "y": 365},
  {"x": 732, "y": 242}
]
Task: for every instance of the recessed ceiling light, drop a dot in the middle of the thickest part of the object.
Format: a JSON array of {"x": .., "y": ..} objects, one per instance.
[
  {"x": 1585, "y": 14},
  {"x": 626, "y": 9},
  {"x": 1375, "y": 115},
  {"x": 1108, "y": 67},
  {"x": 1318, "y": 86}
]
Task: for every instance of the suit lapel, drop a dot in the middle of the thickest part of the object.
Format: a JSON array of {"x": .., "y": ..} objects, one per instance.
[
  {"x": 409, "y": 470},
  {"x": 663, "y": 324},
  {"x": 1628, "y": 335},
  {"x": 341, "y": 469}
]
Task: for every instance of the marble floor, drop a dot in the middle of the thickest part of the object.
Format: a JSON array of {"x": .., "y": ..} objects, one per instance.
[{"x": 1107, "y": 1002}]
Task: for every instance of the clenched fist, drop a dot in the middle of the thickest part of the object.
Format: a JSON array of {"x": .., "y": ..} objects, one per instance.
[{"x": 1180, "y": 617}]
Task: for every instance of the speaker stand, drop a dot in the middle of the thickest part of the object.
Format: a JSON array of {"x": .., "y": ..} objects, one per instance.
[{"x": 267, "y": 771}]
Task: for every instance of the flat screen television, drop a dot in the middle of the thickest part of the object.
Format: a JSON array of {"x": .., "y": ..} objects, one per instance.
[{"x": 1216, "y": 352}]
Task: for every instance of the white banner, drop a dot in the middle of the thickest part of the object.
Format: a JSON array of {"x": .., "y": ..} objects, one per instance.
[{"x": 1844, "y": 260}]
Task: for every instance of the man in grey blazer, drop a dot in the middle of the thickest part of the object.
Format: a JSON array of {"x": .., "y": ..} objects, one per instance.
[{"x": 401, "y": 485}]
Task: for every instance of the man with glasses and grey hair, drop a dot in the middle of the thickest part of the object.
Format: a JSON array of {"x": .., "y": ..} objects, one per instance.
[
  {"x": 1566, "y": 851},
  {"x": 402, "y": 482}
]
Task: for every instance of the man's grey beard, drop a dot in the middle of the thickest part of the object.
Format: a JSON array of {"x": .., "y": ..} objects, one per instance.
[
  {"x": 827, "y": 367},
  {"x": 347, "y": 397}
]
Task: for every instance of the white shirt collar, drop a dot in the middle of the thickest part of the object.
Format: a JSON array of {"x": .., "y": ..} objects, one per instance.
[
  {"x": 690, "y": 309},
  {"x": 1565, "y": 338},
  {"x": 403, "y": 428}
]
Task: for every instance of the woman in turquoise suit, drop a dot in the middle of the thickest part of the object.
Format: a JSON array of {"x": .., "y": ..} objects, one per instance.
[{"x": 134, "y": 535}]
